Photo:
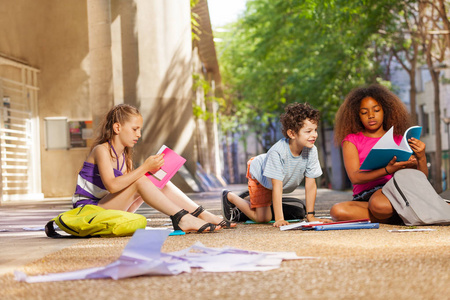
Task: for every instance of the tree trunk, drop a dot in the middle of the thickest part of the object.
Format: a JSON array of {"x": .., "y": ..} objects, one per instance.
[
  {"x": 323, "y": 141},
  {"x": 437, "y": 122},
  {"x": 229, "y": 143},
  {"x": 412, "y": 95},
  {"x": 445, "y": 21}
]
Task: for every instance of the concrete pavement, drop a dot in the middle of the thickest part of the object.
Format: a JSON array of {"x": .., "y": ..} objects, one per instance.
[
  {"x": 349, "y": 264},
  {"x": 20, "y": 221}
]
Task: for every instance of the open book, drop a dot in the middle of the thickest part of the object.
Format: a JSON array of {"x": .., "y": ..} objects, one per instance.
[
  {"x": 386, "y": 148},
  {"x": 350, "y": 224},
  {"x": 172, "y": 163}
]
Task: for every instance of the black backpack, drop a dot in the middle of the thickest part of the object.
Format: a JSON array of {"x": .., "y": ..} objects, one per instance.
[{"x": 293, "y": 209}]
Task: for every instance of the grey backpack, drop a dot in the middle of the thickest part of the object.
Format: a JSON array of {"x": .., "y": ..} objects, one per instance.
[{"x": 415, "y": 200}]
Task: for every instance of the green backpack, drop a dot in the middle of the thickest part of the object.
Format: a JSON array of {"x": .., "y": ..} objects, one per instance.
[{"x": 92, "y": 220}]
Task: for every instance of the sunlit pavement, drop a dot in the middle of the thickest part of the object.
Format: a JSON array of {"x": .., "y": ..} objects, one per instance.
[{"x": 23, "y": 239}]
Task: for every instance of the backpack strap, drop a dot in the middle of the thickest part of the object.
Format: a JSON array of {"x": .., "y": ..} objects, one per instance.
[{"x": 51, "y": 232}]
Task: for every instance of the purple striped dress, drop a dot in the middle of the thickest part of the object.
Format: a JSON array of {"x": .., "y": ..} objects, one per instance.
[{"x": 90, "y": 188}]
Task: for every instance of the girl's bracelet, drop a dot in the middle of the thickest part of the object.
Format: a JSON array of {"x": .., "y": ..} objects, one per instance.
[{"x": 387, "y": 171}]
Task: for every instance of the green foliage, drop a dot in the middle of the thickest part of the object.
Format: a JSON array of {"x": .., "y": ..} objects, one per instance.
[
  {"x": 199, "y": 83},
  {"x": 194, "y": 23},
  {"x": 285, "y": 51}
]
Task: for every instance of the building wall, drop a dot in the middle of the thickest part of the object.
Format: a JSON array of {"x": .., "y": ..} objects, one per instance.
[
  {"x": 52, "y": 37},
  {"x": 151, "y": 56},
  {"x": 164, "y": 84}
]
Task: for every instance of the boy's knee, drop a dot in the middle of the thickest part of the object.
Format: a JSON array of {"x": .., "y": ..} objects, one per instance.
[
  {"x": 259, "y": 219},
  {"x": 263, "y": 215}
]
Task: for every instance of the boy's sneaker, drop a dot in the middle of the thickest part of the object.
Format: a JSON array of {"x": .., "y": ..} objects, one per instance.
[{"x": 227, "y": 207}]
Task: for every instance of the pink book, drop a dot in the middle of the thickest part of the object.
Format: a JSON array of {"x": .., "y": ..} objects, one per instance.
[{"x": 172, "y": 163}]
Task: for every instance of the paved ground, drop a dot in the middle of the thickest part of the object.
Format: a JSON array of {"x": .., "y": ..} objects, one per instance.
[
  {"x": 19, "y": 220},
  {"x": 353, "y": 264}
]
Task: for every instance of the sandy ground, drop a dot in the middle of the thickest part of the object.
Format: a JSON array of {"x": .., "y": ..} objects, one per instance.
[{"x": 350, "y": 264}]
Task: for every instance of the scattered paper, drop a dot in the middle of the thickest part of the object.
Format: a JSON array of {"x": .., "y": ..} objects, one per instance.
[
  {"x": 34, "y": 228},
  {"x": 297, "y": 225},
  {"x": 412, "y": 230},
  {"x": 142, "y": 256}
]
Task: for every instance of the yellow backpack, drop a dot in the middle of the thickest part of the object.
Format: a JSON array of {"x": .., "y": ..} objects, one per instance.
[{"x": 92, "y": 220}]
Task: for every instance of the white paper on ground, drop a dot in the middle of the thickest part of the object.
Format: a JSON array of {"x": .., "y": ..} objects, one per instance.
[
  {"x": 142, "y": 256},
  {"x": 412, "y": 230},
  {"x": 297, "y": 225}
]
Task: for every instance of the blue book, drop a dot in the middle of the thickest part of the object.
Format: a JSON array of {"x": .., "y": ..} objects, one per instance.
[
  {"x": 386, "y": 148},
  {"x": 347, "y": 226}
]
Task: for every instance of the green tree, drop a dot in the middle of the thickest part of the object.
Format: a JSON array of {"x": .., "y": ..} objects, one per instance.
[{"x": 284, "y": 51}]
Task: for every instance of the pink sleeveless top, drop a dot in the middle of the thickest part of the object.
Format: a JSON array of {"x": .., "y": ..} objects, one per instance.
[{"x": 364, "y": 144}]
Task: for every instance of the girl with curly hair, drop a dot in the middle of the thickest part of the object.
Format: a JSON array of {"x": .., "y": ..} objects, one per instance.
[
  {"x": 281, "y": 170},
  {"x": 364, "y": 117}
]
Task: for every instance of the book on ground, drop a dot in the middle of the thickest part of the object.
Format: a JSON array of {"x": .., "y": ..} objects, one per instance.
[
  {"x": 386, "y": 148},
  {"x": 172, "y": 163},
  {"x": 346, "y": 226},
  {"x": 311, "y": 225}
]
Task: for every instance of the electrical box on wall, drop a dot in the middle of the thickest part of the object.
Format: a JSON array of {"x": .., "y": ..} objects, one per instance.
[{"x": 56, "y": 133}]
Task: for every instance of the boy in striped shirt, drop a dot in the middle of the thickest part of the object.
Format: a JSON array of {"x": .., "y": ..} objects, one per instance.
[{"x": 282, "y": 169}]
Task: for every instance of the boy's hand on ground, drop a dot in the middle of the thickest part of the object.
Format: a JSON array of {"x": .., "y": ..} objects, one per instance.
[{"x": 280, "y": 223}]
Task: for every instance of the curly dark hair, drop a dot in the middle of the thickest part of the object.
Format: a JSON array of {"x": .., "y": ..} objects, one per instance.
[
  {"x": 294, "y": 116},
  {"x": 347, "y": 118}
]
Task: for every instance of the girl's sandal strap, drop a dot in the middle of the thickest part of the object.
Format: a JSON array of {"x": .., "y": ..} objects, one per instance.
[
  {"x": 198, "y": 211},
  {"x": 177, "y": 217},
  {"x": 225, "y": 224},
  {"x": 211, "y": 227}
]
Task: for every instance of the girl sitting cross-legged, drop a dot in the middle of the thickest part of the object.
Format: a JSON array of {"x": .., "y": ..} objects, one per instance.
[{"x": 364, "y": 117}]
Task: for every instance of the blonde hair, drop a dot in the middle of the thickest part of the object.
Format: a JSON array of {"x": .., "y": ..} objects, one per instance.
[{"x": 118, "y": 114}]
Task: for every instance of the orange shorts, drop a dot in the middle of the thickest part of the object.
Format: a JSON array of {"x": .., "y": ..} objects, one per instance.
[{"x": 259, "y": 195}]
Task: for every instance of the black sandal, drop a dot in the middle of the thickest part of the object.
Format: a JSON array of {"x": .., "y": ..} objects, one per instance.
[
  {"x": 227, "y": 224},
  {"x": 224, "y": 223},
  {"x": 198, "y": 211},
  {"x": 179, "y": 215}
]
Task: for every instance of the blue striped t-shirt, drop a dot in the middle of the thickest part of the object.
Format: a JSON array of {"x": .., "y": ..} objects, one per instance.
[{"x": 279, "y": 163}]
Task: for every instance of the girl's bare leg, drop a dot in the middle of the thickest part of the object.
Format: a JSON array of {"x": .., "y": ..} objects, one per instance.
[
  {"x": 380, "y": 207},
  {"x": 182, "y": 200},
  {"x": 350, "y": 210},
  {"x": 260, "y": 214},
  {"x": 135, "y": 204},
  {"x": 151, "y": 195}
]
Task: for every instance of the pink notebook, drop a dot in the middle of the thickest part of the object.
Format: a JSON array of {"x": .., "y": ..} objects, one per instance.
[{"x": 172, "y": 163}]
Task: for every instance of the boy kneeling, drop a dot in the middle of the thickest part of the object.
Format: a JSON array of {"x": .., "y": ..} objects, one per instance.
[{"x": 282, "y": 169}]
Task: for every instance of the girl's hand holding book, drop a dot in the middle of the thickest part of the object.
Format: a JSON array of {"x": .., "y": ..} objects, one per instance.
[
  {"x": 154, "y": 163},
  {"x": 418, "y": 147}
]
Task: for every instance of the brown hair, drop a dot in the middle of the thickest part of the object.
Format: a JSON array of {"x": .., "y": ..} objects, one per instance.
[
  {"x": 294, "y": 116},
  {"x": 347, "y": 118},
  {"x": 118, "y": 114}
]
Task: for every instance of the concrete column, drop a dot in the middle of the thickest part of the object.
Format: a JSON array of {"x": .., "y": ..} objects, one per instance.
[
  {"x": 100, "y": 58},
  {"x": 210, "y": 128}
]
